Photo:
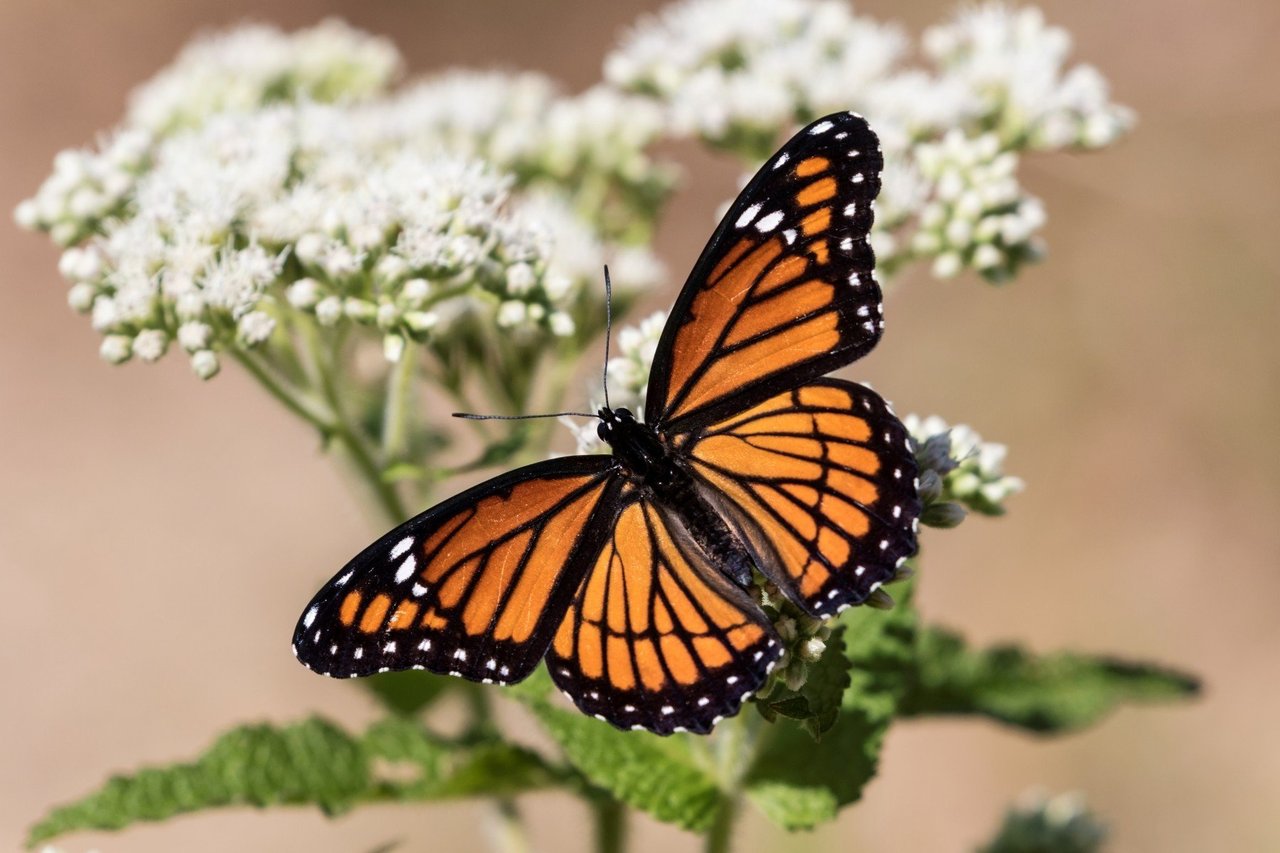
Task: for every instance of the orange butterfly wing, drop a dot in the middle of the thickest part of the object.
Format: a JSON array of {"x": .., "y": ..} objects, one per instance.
[
  {"x": 657, "y": 638},
  {"x": 784, "y": 291},
  {"x": 822, "y": 483},
  {"x": 475, "y": 586}
]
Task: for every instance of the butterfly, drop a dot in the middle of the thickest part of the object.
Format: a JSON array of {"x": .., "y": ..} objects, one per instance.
[{"x": 630, "y": 573}]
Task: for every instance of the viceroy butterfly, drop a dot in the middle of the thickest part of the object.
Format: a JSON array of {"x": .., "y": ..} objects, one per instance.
[{"x": 629, "y": 572}]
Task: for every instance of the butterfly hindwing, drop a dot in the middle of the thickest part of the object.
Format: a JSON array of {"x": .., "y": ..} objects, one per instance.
[
  {"x": 784, "y": 290},
  {"x": 475, "y": 586},
  {"x": 657, "y": 638},
  {"x": 826, "y": 479}
]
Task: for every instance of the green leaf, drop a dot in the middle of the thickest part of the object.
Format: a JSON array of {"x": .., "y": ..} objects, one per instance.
[
  {"x": 444, "y": 769},
  {"x": 797, "y": 782},
  {"x": 1058, "y": 825},
  {"x": 1050, "y": 693},
  {"x": 257, "y": 765},
  {"x": 405, "y": 693},
  {"x": 312, "y": 762},
  {"x": 817, "y": 704},
  {"x": 642, "y": 770}
]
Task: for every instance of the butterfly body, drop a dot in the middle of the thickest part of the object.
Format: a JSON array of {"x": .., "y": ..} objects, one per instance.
[{"x": 630, "y": 573}]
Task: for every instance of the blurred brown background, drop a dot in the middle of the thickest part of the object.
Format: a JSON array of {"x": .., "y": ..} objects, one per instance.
[{"x": 159, "y": 535}]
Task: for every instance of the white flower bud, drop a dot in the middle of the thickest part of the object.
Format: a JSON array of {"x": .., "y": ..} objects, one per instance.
[
  {"x": 360, "y": 310},
  {"x": 115, "y": 349},
  {"x": 309, "y": 248},
  {"x": 421, "y": 321},
  {"x": 388, "y": 315},
  {"x": 205, "y": 364},
  {"x": 303, "y": 293},
  {"x": 562, "y": 325},
  {"x": 813, "y": 649},
  {"x": 150, "y": 344},
  {"x": 255, "y": 327},
  {"x": 190, "y": 305},
  {"x": 416, "y": 290},
  {"x": 511, "y": 313},
  {"x": 947, "y": 265},
  {"x": 80, "y": 297},
  {"x": 105, "y": 314},
  {"x": 366, "y": 236},
  {"x": 194, "y": 336},
  {"x": 393, "y": 348},
  {"x": 987, "y": 257},
  {"x": 520, "y": 279},
  {"x": 390, "y": 269},
  {"x": 27, "y": 214},
  {"x": 329, "y": 310}
]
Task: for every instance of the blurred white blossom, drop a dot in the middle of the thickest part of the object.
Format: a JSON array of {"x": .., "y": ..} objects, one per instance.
[
  {"x": 1015, "y": 63},
  {"x": 727, "y": 69},
  {"x": 741, "y": 73},
  {"x": 976, "y": 215},
  {"x": 971, "y": 470},
  {"x": 253, "y": 65}
]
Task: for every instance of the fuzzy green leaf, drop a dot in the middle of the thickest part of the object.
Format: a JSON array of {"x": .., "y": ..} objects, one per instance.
[
  {"x": 644, "y": 771},
  {"x": 444, "y": 769},
  {"x": 1051, "y": 693},
  {"x": 312, "y": 762},
  {"x": 1058, "y": 825},
  {"x": 797, "y": 782},
  {"x": 405, "y": 693},
  {"x": 258, "y": 765}
]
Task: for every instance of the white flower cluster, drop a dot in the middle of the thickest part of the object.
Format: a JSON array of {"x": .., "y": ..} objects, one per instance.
[
  {"x": 977, "y": 216},
  {"x": 375, "y": 213},
  {"x": 254, "y": 65},
  {"x": 740, "y": 73},
  {"x": 628, "y": 377},
  {"x": 728, "y": 69},
  {"x": 1014, "y": 62},
  {"x": 590, "y": 146},
  {"x": 976, "y": 477}
]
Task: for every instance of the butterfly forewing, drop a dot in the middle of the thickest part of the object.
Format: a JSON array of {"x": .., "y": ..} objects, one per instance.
[
  {"x": 474, "y": 586},
  {"x": 826, "y": 480},
  {"x": 784, "y": 290},
  {"x": 657, "y": 638}
]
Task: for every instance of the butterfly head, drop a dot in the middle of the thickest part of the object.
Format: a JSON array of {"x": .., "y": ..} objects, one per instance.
[{"x": 612, "y": 422}]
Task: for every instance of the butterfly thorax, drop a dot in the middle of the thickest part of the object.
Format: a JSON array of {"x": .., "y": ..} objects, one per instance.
[{"x": 652, "y": 467}]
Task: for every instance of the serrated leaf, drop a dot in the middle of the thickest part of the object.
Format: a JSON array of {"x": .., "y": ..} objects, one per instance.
[
  {"x": 445, "y": 769},
  {"x": 640, "y": 769},
  {"x": 1051, "y": 693},
  {"x": 259, "y": 765},
  {"x": 793, "y": 807},
  {"x": 309, "y": 763},
  {"x": 405, "y": 693},
  {"x": 797, "y": 782}
]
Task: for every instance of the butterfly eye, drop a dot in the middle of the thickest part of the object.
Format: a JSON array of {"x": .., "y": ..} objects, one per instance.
[
  {"x": 624, "y": 414},
  {"x": 602, "y": 430}
]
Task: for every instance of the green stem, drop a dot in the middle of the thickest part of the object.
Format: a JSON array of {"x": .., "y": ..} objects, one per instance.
[
  {"x": 300, "y": 403},
  {"x": 350, "y": 438},
  {"x": 611, "y": 825},
  {"x": 720, "y": 836},
  {"x": 395, "y": 414}
]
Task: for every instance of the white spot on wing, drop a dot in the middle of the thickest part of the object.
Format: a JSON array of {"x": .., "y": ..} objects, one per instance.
[
  {"x": 821, "y": 127},
  {"x": 403, "y": 545},
  {"x": 419, "y": 590},
  {"x": 782, "y": 158},
  {"x": 769, "y": 222},
  {"x": 747, "y": 215},
  {"x": 311, "y": 616},
  {"x": 342, "y": 581},
  {"x": 406, "y": 569}
]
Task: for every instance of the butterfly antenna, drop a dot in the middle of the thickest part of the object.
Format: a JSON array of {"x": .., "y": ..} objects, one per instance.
[
  {"x": 608, "y": 331},
  {"x": 467, "y": 416}
]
